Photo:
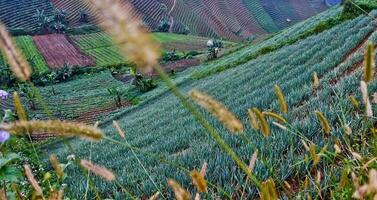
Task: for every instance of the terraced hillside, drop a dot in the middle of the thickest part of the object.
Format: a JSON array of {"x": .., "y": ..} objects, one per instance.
[
  {"x": 19, "y": 14},
  {"x": 161, "y": 126},
  {"x": 235, "y": 20},
  {"x": 69, "y": 101}
]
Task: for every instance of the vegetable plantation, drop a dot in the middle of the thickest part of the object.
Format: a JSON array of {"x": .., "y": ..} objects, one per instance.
[
  {"x": 100, "y": 47},
  {"x": 164, "y": 129},
  {"x": 31, "y": 53},
  {"x": 68, "y": 101}
]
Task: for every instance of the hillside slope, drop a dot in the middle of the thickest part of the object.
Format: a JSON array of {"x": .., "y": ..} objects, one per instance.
[
  {"x": 235, "y": 20},
  {"x": 162, "y": 126},
  {"x": 238, "y": 19}
]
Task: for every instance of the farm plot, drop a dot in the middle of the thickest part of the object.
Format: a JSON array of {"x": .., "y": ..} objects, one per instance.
[
  {"x": 18, "y": 14},
  {"x": 165, "y": 128},
  {"x": 75, "y": 10},
  {"x": 100, "y": 47},
  {"x": 58, "y": 51},
  {"x": 85, "y": 99},
  {"x": 31, "y": 53}
]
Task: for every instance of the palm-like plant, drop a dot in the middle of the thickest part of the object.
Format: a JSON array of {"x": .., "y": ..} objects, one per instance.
[{"x": 117, "y": 95}]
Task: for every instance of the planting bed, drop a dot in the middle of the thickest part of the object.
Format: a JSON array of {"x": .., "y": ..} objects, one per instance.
[{"x": 58, "y": 51}]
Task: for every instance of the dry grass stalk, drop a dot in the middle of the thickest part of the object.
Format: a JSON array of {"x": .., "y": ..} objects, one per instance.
[
  {"x": 306, "y": 183},
  {"x": 356, "y": 155},
  {"x": 197, "y": 196},
  {"x": 370, "y": 66},
  {"x": 281, "y": 99},
  {"x": 305, "y": 144},
  {"x": 275, "y": 116},
  {"x": 155, "y": 196},
  {"x": 119, "y": 130},
  {"x": 265, "y": 128},
  {"x": 338, "y": 150},
  {"x": 199, "y": 181},
  {"x": 3, "y": 195},
  {"x": 253, "y": 161},
  {"x": 281, "y": 126},
  {"x": 32, "y": 181},
  {"x": 19, "y": 108},
  {"x": 58, "y": 128},
  {"x": 324, "y": 122},
  {"x": 125, "y": 29},
  {"x": 253, "y": 119},
  {"x": 98, "y": 170},
  {"x": 17, "y": 62},
  {"x": 218, "y": 110},
  {"x": 180, "y": 193},
  {"x": 367, "y": 189},
  {"x": 203, "y": 171},
  {"x": 366, "y": 101},
  {"x": 56, "y": 165},
  {"x": 316, "y": 82},
  {"x": 268, "y": 190}
]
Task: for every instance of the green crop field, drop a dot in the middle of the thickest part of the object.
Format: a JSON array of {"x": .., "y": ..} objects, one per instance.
[
  {"x": 31, "y": 53},
  {"x": 69, "y": 102},
  {"x": 288, "y": 115},
  {"x": 100, "y": 47},
  {"x": 164, "y": 127}
]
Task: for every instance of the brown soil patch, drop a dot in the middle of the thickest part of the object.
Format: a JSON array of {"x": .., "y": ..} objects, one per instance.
[{"x": 57, "y": 51}]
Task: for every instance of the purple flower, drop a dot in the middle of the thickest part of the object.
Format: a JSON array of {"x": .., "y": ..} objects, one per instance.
[
  {"x": 4, "y": 136},
  {"x": 3, "y": 95}
]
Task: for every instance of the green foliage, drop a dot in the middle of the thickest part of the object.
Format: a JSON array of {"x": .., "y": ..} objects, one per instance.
[
  {"x": 31, "y": 53},
  {"x": 355, "y": 8}
]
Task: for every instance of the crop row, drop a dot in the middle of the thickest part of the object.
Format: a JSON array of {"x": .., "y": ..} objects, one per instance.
[
  {"x": 74, "y": 8},
  {"x": 164, "y": 127},
  {"x": 73, "y": 99},
  {"x": 19, "y": 14},
  {"x": 100, "y": 47},
  {"x": 31, "y": 53}
]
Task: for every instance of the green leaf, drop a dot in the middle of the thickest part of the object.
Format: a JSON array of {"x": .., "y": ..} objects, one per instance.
[
  {"x": 11, "y": 174},
  {"x": 8, "y": 158}
]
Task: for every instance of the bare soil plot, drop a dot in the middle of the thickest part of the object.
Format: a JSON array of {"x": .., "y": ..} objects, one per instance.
[{"x": 57, "y": 51}]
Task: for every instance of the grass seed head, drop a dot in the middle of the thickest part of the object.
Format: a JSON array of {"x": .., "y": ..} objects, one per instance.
[
  {"x": 253, "y": 119},
  {"x": 17, "y": 62},
  {"x": 56, "y": 165},
  {"x": 203, "y": 171},
  {"x": 354, "y": 102},
  {"x": 253, "y": 161},
  {"x": 19, "y": 108},
  {"x": 126, "y": 30},
  {"x": 180, "y": 193},
  {"x": 32, "y": 181},
  {"x": 316, "y": 82},
  {"x": 218, "y": 110},
  {"x": 265, "y": 128},
  {"x": 268, "y": 190},
  {"x": 370, "y": 66},
  {"x": 324, "y": 122},
  {"x": 275, "y": 116},
  {"x": 281, "y": 99},
  {"x": 199, "y": 181},
  {"x": 281, "y": 126},
  {"x": 98, "y": 170},
  {"x": 56, "y": 127}
]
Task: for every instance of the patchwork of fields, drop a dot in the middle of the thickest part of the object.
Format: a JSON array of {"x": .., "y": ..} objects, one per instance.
[
  {"x": 162, "y": 126},
  {"x": 235, "y": 20}
]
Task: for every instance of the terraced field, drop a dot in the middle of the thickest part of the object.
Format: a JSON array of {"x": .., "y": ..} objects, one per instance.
[
  {"x": 162, "y": 126},
  {"x": 100, "y": 47},
  {"x": 31, "y": 53},
  {"x": 233, "y": 20},
  {"x": 74, "y": 8},
  {"x": 84, "y": 100},
  {"x": 58, "y": 51},
  {"x": 18, "y": 14}
]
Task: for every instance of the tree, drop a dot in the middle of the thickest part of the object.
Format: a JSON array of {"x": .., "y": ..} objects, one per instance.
[
  {"x": 164, "y": 26},
  {"x": 83, "y": 16},
  {"x": 214, "y": 47},
  {"x": 117, "y": 95}
]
